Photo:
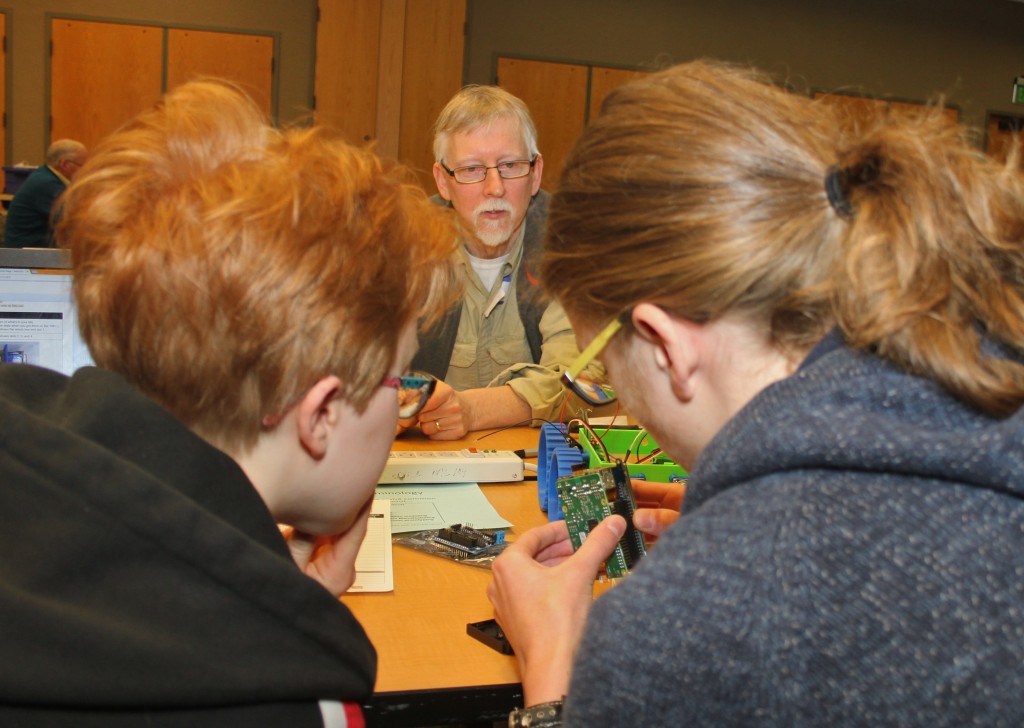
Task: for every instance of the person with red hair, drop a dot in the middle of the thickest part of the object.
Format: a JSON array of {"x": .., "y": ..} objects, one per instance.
[{"x": 180, "y": 520}]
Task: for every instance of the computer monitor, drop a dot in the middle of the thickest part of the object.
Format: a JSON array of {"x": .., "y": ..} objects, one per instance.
[{"x": 38, "y": 321}]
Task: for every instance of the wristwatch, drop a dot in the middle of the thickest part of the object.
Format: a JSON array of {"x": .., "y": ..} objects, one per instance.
[{"x": 545, "y": 715}]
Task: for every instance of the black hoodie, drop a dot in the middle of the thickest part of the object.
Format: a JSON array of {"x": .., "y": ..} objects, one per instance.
[{"x": 141, "y": 575}]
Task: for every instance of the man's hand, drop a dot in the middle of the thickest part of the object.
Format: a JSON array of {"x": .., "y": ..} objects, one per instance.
[
  {"x": 444, "y": 417},
  {"x": 449, "y": 415}
]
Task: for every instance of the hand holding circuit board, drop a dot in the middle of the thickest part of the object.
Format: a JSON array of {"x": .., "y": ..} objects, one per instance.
[
  {"x": 588, "y": 497},
  {"x": 542, "y": 590},
  {"x": 555, "y": 564}
]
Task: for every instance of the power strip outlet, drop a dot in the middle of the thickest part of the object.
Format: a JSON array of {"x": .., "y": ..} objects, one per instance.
[{"x": 471, "y": 465}]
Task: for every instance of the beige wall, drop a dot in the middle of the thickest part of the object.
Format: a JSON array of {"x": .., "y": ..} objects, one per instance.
[
  {"x": 970, "y": 50},
  {"x": 27, "y": 31}
]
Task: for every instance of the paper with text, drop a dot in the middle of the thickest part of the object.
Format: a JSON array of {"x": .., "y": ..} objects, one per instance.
[
  {"x": 374, "y": 564},
  {"x": 426, "y": 507}
]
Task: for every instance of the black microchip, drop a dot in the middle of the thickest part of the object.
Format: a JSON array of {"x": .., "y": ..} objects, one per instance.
[{"x": 466, "y": 540}]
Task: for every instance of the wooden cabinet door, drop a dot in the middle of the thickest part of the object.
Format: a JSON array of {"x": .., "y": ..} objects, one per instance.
[
  {"x": 854, "y": 111},
  {"x": 603, "y": 80},
  {"x": 245, "y": 59},
  {"x": 101, "y": 75},
  {"x": 431, "y": 75},
  {"x": 384, "y": 71},
  {"x": 1001, "y": 131},
  {"x": 950, "y": 114},
  {"x": 556, "y": 94},
  {"x": 3, "y": 90},
  {"x": 347, "y": 50}
]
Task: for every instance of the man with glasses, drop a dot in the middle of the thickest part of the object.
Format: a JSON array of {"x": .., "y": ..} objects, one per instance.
[
  {"x": 499, "y": 354},
  {"x": 29, "y": 223}
]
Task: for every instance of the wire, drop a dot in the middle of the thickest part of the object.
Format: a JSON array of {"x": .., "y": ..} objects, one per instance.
[
  {"x": 563, "y": 408},
  {"x": 640, "y": 435},
  {"x": 560, "y": 426},
  {"x": 652, "y": 454},
  {"x": 588, "y": 428},
  {"x": 521, "y": 423},
  {"x": 615, "y": 414}
]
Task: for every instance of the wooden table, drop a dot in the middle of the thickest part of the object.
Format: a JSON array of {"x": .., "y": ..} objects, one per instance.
[{"x": 429, "y": 670}]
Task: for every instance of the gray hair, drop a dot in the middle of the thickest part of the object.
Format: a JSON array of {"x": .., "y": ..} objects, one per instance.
[
  {"x": 477, "y": 107},
  {"x": 63, "y": 149}
]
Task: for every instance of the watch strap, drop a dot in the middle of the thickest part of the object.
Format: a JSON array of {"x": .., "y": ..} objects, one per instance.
[{"x": 543, "y": 715}]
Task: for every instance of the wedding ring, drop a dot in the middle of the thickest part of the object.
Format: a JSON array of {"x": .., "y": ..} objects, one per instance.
[{"x": 437, "y": 424}]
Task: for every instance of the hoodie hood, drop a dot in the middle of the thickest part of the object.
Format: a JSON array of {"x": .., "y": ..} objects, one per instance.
[{"x": 141, "y": 568}]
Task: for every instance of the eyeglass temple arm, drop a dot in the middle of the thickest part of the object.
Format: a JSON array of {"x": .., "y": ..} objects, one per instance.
[{"x": 592, "y": 350}]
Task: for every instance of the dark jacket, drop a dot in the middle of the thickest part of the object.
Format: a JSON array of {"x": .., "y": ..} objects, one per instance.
[
  {"x": 438, "y": 342},
  {"x": 142, "y": 579},
  {"x": 851, "y": 553},
  {"x": 28, "y": 216}
]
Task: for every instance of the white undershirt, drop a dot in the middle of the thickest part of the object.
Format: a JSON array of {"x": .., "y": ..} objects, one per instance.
[{"x": 487, "y": 269}]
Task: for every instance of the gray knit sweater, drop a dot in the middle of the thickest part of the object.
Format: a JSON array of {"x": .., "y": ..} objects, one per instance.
[{"x": 851, "y": 553}]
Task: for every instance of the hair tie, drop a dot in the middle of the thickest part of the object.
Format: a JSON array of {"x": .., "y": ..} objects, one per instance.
[{"x": 834, "y": 184}]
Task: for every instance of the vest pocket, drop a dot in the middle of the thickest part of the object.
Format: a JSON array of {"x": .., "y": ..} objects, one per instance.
[
  {"x": 463, "y": 356},
  {"x": 506, "y": 352}
]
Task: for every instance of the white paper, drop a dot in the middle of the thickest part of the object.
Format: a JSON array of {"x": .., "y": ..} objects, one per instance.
[
  {"x": 374, "y": 564},
  {"x": 426, "y": 507}
]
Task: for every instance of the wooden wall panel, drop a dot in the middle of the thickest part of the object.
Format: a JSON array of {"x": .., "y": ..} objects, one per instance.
[
  {"x": 248, "y": 60},
  {"x": 431, "y": 75},
  {"x": 949, "y": 113},
  {"x": 347, "y": 58},
  {"x": 389, "y": 76},
  {"x": 603, "y": 80},
  {"x": 556, "y": 94},
  {"x": 384, "y": 70},
  {"x": 853, "y": 110},
  {"x": 1001, "y": 131},
  {"x": 3, "y": 90},
  {"x": 856, "y": 110},
  {"x": 101, "y": 75}
]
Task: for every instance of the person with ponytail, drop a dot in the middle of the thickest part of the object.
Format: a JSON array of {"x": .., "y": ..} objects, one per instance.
[{"x": 825, "y": 325}]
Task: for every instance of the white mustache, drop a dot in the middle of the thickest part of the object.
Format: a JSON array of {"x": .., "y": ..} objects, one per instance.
[{"x": 492, "y": 206}]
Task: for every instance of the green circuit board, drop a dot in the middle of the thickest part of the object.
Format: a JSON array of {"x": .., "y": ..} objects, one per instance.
[{"x": 587, "y": 498}]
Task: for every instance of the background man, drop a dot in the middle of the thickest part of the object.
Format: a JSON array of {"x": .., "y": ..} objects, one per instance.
[
  {"x": 28, "y": 218},
  {"x": 502, "y": 351}
]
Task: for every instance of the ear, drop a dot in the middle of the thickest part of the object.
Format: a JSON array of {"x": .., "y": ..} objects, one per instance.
[
  {"x": 319, "y": 412},
  {"x": 538, "y": 173},
  {"x": 676, "y": 349},
  {"x": 442, "y": 179}
]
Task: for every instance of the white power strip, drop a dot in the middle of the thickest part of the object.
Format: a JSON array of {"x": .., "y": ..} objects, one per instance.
[{"x": 472, "y": 465}]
